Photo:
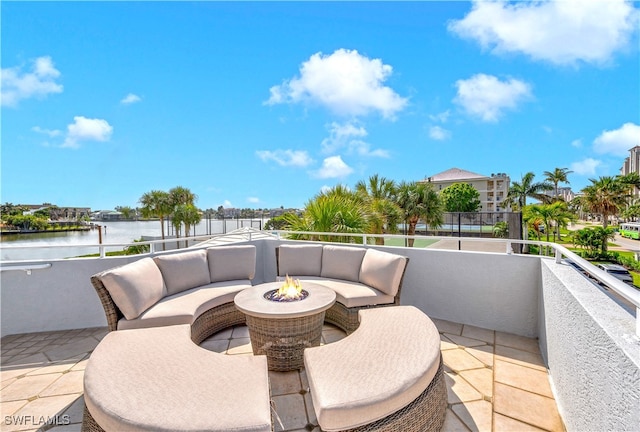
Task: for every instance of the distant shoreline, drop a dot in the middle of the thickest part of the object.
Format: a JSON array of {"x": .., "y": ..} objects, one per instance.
[{"x": 15, "y": 232}]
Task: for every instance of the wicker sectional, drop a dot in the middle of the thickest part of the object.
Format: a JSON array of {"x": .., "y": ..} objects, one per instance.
[{"x": 362, "y": 278}]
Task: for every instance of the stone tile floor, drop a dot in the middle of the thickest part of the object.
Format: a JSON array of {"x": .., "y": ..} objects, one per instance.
[{"x": 495, "y": 381}]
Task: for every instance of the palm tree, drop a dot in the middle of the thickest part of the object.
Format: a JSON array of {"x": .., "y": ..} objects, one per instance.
[
  {"x": 558, "y": 175},
  {"x": 520, "y": 191},
  {"x": 561, "y": 216},
  {"x": 188, "y": 215},
  {"x": 383, "y": 213},
  {"x": 419, "y": 201},
  {"x": 334, "y": 211},
  {"x": 156, "y": 204},
  {"x": 536, "y": 216},
  {"x": 526, "y": 188},
  {"x": 605, "y": 196}
]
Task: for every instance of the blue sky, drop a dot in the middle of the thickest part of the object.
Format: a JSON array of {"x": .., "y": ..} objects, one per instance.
[{"x": 264, "y": 104}]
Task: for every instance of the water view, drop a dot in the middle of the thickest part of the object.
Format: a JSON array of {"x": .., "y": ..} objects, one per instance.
[{"x": 65, "y": 244}]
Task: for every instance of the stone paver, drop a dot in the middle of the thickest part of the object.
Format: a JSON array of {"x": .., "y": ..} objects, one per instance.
[{"x": 495, "y": 381}]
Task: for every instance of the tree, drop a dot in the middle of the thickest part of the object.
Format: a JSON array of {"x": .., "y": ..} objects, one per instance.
[
  {"x": 334, "y": 211},
  {"x": 419, "y": 201},
  {"x": 526, "y": 188},
  {"x": 594, "y": 240},
  {"x": 536, "y": 217},
  {"x": 520, "y": 191},
  {"x": 383, "y": 213},
  {"x": 606, "y": 197},
  {"x": 558, "y": 175},
  {"x": 188, "y": 215},
  {"x": 501, "y": 229},
  {"x": 460, "y": 197},
  {"x": 561, "y": 216},
  {"x": 127, "y": 212},
  {"x": 156, "y": 204}
]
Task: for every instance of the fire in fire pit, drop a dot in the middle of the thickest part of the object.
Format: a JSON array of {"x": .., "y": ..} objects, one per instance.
[{"x": 290, "y": 291}]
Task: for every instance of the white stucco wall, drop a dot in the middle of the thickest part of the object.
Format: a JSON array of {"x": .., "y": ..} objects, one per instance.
[{"x": 592, "y": 352}]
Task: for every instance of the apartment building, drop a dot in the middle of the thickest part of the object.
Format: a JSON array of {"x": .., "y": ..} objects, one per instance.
[
  {"x": 493, "y": 189},
  {"x": 632, "y": 165}
]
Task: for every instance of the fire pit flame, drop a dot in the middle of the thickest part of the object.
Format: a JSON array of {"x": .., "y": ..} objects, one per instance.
[{"x": 291, "y": 290}]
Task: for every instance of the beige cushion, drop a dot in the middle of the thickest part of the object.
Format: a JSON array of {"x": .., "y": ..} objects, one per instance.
[
  {"x": 300, "y": 260},
  {"x": 380, "y": 368},
  {"x": 382, "y": 270},
  {"x": 157, "y": 379},
  {"x": 185, "y": 306},
  {"x": 342, "y": 262},
  {"x": 134, "y": 287},
  {"x": 351, "y": 294},
  {"x": 184, "y": 270},
  {"x": 231, "y": 262}
]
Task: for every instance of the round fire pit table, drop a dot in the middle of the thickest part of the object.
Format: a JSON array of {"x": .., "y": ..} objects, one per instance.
[{"x": 283, "y": 329}]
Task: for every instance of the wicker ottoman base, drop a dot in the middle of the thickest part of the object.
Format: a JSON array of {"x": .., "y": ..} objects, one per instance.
[
  {"x": 283, "y": 340},
  {"x": 426, "y": 413}
]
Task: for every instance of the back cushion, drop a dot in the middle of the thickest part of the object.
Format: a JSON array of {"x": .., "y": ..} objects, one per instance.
[
  {"x": 184, "y": 270},
  {"x": 134, "y": 287},
  {"x": 231, "y": 262},
  {"x": 382, "y": 271},
  {"x": 342, "y": 262},
  {"x": 300, "y": 260}
]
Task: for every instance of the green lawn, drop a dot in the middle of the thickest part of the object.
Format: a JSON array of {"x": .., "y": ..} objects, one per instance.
[{"x": 419, "y": 243}]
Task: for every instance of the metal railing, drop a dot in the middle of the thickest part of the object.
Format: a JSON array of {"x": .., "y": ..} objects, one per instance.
[{"x": 544, "y": 248}]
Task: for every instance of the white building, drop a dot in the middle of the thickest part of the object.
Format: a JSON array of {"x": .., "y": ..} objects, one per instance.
[{"x": 493, "y": 189}]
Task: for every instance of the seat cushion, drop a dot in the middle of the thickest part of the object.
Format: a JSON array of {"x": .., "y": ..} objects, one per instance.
[
  {"x": 184, "y": 270},
  {"x": 301, "y": 260},
  {"x": 185, "y": 306},
  {"x": 157, "y": 379},
  {"x": 342, "y": 262},
  {"x": 134, "y": 287},
  {"x": 231, "y": 262},
  {"x": 351, "y": 294},
  {"x": 382, "y": 270},
  {"x": 380, "y": 368}
]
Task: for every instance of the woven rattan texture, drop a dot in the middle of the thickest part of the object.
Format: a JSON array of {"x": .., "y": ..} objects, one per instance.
[
  {"x": 284, "y": 340},
  {"x": 426, "y": 413}
]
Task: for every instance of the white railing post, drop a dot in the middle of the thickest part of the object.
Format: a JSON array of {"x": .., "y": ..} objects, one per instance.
[
  {"x": 638, "y": 321},
  {"x": 103, "y": 252},
  {"x": 152, "y": 248}
]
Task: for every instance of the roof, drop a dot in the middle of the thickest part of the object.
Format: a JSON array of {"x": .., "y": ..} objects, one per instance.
[
  {"x": 236, "y": 236},
  {"x": 455, "y": 174}
]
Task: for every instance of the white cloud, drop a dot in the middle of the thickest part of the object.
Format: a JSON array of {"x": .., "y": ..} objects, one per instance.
[
  {"x": 49, "y": 132},
  {"x": 577, "y": 143},
  {"x": 297, "y": 158},
  {"x": 486, "y": 97},
  {"x": 345, "y": 82},
  {"x": 346, "y": 136},
  {"x": 585, "y": 167},
  {"x": 560, "y": 32},
  {"x": 130, "y": 99},
  {"x": 333, "y": 167},
  {"x": 86, "y": 129},
  {"x": 618, "y": 141},
  {"x": 17, "y": 85},
  {"x": 440, "y": 117},
  {"x": 325, "y": 189},
  {"x": 253, "y": 200},
  {"x": 227, "y": 204},
  {"x": 438, "y": 133}
]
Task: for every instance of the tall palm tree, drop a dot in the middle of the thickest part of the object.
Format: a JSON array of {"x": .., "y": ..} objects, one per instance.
[
  {"x": 606, "y": 196},
  {"x": 188, "y": 215},
  {"x": 558, "y": 175},
  {"x": 518, "y": 194},
  {"x": 561, "y": 216},
  {"x": 526, "y": 188},
  {"x": 156, "y": 204},
  {"x": 419, "y": 201},
  {"x": 383, "y": 213}
]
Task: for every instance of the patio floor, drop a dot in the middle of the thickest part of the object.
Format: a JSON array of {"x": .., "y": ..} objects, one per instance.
[{"x": 495, "y": 381}]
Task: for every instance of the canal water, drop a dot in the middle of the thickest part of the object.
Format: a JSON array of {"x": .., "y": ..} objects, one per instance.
[{"x": 112, "y": 233}]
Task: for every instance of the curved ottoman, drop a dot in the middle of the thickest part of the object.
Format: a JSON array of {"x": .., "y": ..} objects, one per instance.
[
  {"x": 157, "y": 379},
  {"x": 387, "y": 375}
]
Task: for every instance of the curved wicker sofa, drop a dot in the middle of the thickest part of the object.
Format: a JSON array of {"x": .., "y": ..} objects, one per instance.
[
  {"x": 194, "y": 287},
  {"x": 362, "y": 278}
]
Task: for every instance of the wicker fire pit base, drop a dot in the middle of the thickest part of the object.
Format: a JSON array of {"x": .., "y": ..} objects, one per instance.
[{"x": 283, "y": 340}]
